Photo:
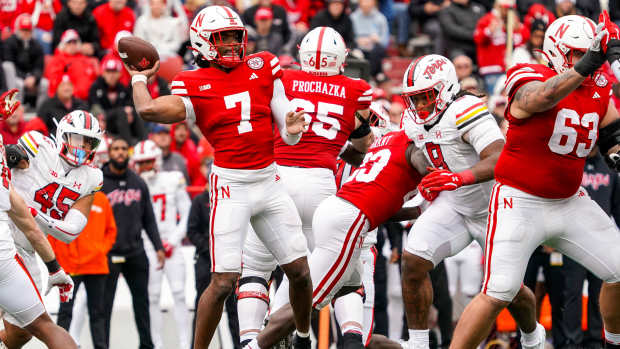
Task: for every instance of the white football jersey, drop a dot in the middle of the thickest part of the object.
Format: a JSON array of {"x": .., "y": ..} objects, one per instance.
[
  {"x": 49, "y": 184},
  {"x": 445, "y": 147},
  {"x": 171, "y": 203},
  {"x": 7, "y": 247}
]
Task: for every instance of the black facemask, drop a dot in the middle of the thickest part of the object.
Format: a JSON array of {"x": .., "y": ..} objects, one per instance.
[{"x": 120, "y": 165}]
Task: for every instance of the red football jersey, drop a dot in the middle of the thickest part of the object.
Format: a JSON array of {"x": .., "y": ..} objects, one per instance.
[
  {"x": 331, "y": 101},
  {"x": 384, "y": 181},
  {"x": 233, "y": 109},
  {"x": 545, "y": 154}
]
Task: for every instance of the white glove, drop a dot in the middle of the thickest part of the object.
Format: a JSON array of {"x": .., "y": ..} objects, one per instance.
[{"x": 64, "y": 283}]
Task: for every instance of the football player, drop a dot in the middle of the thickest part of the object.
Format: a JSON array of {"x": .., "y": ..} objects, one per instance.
[
  {"x": 171, "y": 204},
  {"x": 56, "y": 180},
  {"x": 555, "y": 114},
  {"x": 462, "y": 140},
  {"x": 389, "y": 174},
  {"x": 337, "y": 109},
  {"x": 235, "y": 101}
]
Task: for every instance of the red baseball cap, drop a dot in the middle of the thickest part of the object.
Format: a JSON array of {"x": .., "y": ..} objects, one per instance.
[
  {"x": 23, "y": 22},
  {"x": 111, "y": 64},
  {"x": 263, "y": 13}
]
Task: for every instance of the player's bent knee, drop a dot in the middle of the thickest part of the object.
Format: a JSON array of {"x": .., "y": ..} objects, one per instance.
[
  {"x": 502, "y": 288},
  {"x": 415, "y": 267},
  {"x": 297, "y": 271},
  {"x": 223, "y": 284}
]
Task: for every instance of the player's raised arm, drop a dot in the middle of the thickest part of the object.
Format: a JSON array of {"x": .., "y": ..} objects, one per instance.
[
  {"x": 163, "y": 109},
  {"x": 538, "y": 96},
  {"x": 290, "y": 123}
]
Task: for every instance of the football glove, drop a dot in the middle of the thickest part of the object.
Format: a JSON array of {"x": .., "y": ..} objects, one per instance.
[
  {"x": 168, "y": 248},
  {"x": 8, "y": 103},
  {"x": 439, "y": 180},
  {"x": 64, "y": 283}
]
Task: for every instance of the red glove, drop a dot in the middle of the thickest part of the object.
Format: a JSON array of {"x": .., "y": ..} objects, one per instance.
[
  {"x": 8, "y": 103},
  {"x": 427, "y": 194},
  {"x": 611, "y": 27},
  {"x": 168, "y": 248},
  {"x": 440, "y": 180}
]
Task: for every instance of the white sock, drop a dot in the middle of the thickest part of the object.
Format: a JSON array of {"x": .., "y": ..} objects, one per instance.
[
  {"x": 303, "y": 334},
  {"x": 419, "y": 339},
  {"x": 530, "y": 338},
  {"x": 612, "y": 338}
]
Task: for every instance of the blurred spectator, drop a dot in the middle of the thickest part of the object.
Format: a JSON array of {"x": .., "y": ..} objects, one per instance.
[
  {"x": 113, "y": 53},
  {"x": 171, "y": 161},
  {"x": 335, "y": 16},
  {"x": 198, "y": 234},
  {"x": 614, "y": 11},
  {"x": 396, "y": 113},
  {"x": 603, "y": 186},
  {"x": 458, "y": 22},
  {"x": 157, "y": 86},
  {"x": 85, "y": 259},
  {"x": 107, "y": 92},
  {"x": 587, "y": 8},
  {"x": 113, "y": 17},
  {"x": 36, "y": 124},
  {"x": 565, "y": 8},
  {"x": 538, "y": 12},
  {"x": 490, "y": 38},
  {"x": 464, "y": 67},
  {"x": 426, "y": 12},
  {"x": 523, "y": 6},
  {"x": 530, "y": 52},
  {"x": 8, "y": 13},
  {"x": 130, "y": 200},
  {"x": 298, "y": 13},
  {"x": 266, "y": 38},
  {"x": 280, "y": 21},
  {"x": 23, "y": 62},
  {"x": 158, "y": 27},
  {"x": 471, "y": 85},
  {"x": 371, "y": 33},
  {"x": 125, "y": 123},
  {"x": 498, "y": 100},
  {"x": 43, "y": 13},
  {"x": 77, "y": 16},
  {"x": 183, "y": 145},
  {"x": 60, "y": 105},
  {"x": 69, "y": 60},
  {"x": 13, "y": 127},
  {"x": 402, "y": 24}
]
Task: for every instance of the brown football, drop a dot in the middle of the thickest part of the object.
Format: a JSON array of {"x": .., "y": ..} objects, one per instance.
[{"x": 137, "y": 53}]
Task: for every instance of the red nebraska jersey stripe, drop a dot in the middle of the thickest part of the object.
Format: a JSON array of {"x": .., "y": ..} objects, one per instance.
[
  {"x": 233, "y": 110},
  {"x": 379, "y": 186},
  {"x": 545, "y": 154},
  {"x": 331, "y": 102}
]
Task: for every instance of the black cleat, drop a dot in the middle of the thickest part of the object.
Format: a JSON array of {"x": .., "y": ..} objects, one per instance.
[
  {"x": 301, "y": 342},
  {"x": 352, "y": 341}
]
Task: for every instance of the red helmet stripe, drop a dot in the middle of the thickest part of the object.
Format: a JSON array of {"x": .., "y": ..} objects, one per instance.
[
  {"x": 227, "y": 11},
  {"x": 142, "y": 147},
  {"x": 410, "y": 75},
  {"x": 87, "y": 121},
  {"x": 318, "y": 48}
]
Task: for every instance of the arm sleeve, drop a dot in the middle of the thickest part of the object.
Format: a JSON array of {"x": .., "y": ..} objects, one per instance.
[
  {"x": 65, "y": 230},
  {"x": 198, "y": 223},
  {"x": 280, "y": 106},
  {"x": 483, "y": 133},
  {"x": 148, "y": 219},
  {"x": 183, "y": 206}
]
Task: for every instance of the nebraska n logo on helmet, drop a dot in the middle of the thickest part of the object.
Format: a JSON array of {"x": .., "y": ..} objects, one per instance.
[
  {"x": 205, "y": 36},
  {"x": 564, "y": 36},
  {"x": 429, "y": 86},
  {"x": 77, "y": 137},
  {"x": 322, "y": 52}
]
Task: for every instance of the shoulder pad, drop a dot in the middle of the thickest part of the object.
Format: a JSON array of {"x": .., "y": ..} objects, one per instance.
[
  {"x": 95, "y": 179},
  {"x": 522, "y": 73},
  {"x": 32, "y": 141},
  {"x": 266, "y": 61},
  {"x": 466, "y": 110}
]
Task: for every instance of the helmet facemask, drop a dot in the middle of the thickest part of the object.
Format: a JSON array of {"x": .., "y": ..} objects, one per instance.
[
  {"x": 77, "y": 149},
  {"x": 224, "y": 50},
  {"x": 146, "y": 168},
  {"x": 429, "y": 100}
]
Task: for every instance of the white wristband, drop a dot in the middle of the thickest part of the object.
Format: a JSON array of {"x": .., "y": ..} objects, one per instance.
[{"x": 138, "y": 78}]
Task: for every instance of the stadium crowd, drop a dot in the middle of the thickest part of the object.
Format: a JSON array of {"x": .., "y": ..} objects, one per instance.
[{"x": 62, "y": 55}]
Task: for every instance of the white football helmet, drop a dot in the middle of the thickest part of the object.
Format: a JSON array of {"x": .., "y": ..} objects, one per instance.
[
  {"x": 77, "y": 136},
  {"x": 205, "y": 35},
  {"x": 322, "y": 52},
  {"x": 146, "y": 151},
  {"x": 379, "y": 119},
  {"x": 564, "y": 35},
  {"x": 101, "y": 154},
  {"x": 433, "y": 79}
]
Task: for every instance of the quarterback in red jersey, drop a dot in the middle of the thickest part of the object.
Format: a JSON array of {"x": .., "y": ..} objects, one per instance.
[
  {"x": 554, "y": 116},
  {"x": 337, "y": 108},
  {"x": 389, "y": 175},
  {"x": 235, "y": 100}
]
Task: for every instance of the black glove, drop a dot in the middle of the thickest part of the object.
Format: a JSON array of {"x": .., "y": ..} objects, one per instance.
[
  {"x": 613, "y": 161},
  {"x": 590, "y": 62},
  {"x": 14, "y": 154},
  {"x": 613, "y": 51}
]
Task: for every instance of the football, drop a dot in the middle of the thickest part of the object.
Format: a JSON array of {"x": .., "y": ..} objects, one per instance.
[{"x": 137, "y": 53}]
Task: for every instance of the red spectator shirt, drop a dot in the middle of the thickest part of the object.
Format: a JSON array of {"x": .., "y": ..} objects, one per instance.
[
  {"x": 384, "y": 181},
  {"x": 545, "y": 154},
  {"x": 110, "y": 23},
  {"x": 46, "y": 17},
  {"x": 8, "y": 13},
  {"x": 491, "y": 48},
  {"x": 331, "y": 102},
  {"x": 82, "y": 71},
  {"x": 233, "y": 109}
]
